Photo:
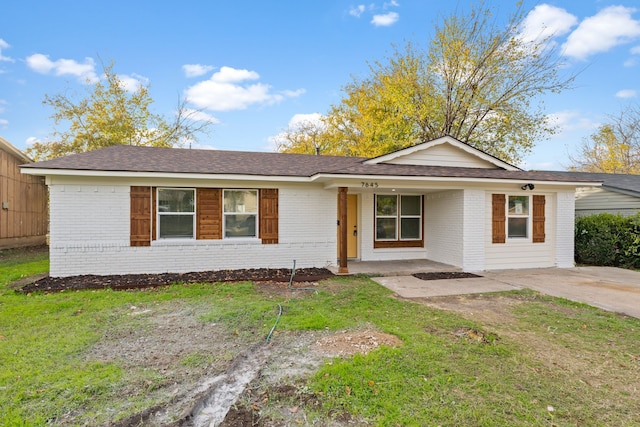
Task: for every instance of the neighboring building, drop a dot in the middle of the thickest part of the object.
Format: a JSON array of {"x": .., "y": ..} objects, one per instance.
[
  {"x": 23, "y": 201},
  {"x": 619, "y": 194},
  {"x": 127, "y": 209}
]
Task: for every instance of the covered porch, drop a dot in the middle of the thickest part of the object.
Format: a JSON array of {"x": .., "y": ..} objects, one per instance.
[
  {"x": 389, "y": 227},
  {"x": 395, "y": 268}
]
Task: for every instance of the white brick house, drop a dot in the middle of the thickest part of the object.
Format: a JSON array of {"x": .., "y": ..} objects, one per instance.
[{"x": 127, "y": 209}]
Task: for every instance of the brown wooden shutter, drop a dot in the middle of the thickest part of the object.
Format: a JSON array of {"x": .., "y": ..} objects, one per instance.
[
  {"x": 209, "y": 213},
  {"x": 498, "y": 220},
  {"x": 268, "y": 215},
  {"x": 538, "y": 219},
  {"x": 140, "y": 234},
  {"x": 154, "y": 209}
]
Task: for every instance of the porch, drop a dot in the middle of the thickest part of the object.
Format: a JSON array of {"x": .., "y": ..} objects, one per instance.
[{"x": 395, "y": 268}]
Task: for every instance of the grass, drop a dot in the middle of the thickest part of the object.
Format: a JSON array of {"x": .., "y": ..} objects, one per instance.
[{"x": 547, "y": 361}]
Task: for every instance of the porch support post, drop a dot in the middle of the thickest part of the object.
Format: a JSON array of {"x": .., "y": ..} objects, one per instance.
[{"x": 342, "y": 217}]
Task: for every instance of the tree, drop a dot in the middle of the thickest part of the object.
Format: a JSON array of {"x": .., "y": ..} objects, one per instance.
[
  {"x": 614, "y": 147},
  {"x": 110, "y": 115},
  {"x": 477, "y": 82},
  {"x": 307, "y": 136}
]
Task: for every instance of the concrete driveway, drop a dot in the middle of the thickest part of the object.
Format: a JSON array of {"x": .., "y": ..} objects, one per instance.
[{"x": 609, "y": 288}]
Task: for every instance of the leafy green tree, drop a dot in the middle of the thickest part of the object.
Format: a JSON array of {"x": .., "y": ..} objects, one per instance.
[
  {"x": 111, "y": 115},
  {"x": 614, "y": 147},
  {"x": 477, "y": 81}
]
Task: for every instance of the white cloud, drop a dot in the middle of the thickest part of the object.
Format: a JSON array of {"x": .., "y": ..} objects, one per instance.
[
  {"x": 294, "y": 93},
  {"x": 631, "y": 62},
  {"x": 299, "y": 120},
  {"x": 85, "y": 72},
  {"x": 195, "y": 70},
  {"x": 610, "y": 27},
  {"x": 200, "y": 116},
  {"x": 385, "y": 20},
  {"x": 635, "y": 50},
  {"x": 626, "y": 93},
  {"x": 234, "y": 75},
  {"x": 568, "y": 120},
  {"x": 227, "y": 90},
  {"x": 5, "y": 45},
  {"x": 297, "y": 123},
  {"x": 546, "y": 21},
  {"x": 133, "y": 82},
  {"x": 357, "y": 11},
  {"x": 31, "y": 140}
]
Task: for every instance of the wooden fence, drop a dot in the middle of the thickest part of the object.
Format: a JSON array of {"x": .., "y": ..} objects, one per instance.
[{"x": 23, "y": 202}]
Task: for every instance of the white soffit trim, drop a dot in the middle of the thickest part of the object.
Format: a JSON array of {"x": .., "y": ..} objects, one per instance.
[
  {"x": 443, "y": 140},
  {"x": 329, "y": 180},
  {"x": 339, "y": 180},
  {"x": 161, "y": 175}
]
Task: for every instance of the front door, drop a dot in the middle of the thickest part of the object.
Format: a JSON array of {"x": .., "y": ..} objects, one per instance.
[{"x": 352, "y": 227}]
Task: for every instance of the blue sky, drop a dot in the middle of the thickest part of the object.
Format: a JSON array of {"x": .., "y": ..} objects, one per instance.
[{"x": 254, "y": 67}]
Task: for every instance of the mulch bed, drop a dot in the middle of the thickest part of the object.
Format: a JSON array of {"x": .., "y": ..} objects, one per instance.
[
  {"x": 138, "y": 281},
  {"x": 444, "y": 275}
]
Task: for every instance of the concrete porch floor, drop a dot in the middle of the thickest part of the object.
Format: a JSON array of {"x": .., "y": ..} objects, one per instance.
[{"x": 395, "y": 268}]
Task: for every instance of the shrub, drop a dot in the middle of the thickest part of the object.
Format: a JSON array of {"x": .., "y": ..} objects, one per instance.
[{"x": 608, "y": 240}]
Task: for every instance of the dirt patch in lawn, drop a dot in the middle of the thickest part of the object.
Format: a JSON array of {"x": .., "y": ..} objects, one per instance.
[
  {"x": 173, "y": 357},
  {"x": 496, "y": 313}
]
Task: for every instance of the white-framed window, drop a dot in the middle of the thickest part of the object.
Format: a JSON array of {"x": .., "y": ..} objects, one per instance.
[
  {"x": 176, "y": 213},
  {"x": 518, "y": 217},
  {"x": 398, "y": 217},
  {"x": 240, "y": 213}
]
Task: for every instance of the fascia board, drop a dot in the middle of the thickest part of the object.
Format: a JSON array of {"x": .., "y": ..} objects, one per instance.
[
  {"x": 161, "y": 175},
  {"x": 441, "y": 179}
]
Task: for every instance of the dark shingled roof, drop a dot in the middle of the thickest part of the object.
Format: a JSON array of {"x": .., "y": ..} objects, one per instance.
[
  {"x": 125, "y": 158},
  {"x": 612, "y": 181}
]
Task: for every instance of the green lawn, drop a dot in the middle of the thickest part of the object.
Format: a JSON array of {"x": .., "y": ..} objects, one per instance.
[{"x": 546, "y": 361}]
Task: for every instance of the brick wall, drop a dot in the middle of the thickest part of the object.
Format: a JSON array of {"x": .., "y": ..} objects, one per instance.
[
  {"x": 474, "y": 232},
  {"x": 522, "y": 253},
  {"x": 90, "y": 235},
  {"x": 444, "y": 226},
  {"x": 565, "y": 224}
]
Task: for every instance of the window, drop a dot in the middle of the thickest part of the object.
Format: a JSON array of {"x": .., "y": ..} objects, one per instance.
[
  {"x": 240, "y": 213},
  {"x": 176, "y": 213},
  {"x": 398, "y": 217},
  {"x": 518, "y": 217}
]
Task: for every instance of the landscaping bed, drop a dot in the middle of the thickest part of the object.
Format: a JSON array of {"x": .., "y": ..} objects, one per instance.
[
  {"x": 440, "y": 275},
  {"x": 137, "y": 281}
]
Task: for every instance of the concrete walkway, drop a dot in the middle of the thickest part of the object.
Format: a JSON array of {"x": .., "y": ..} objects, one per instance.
[{"x": 612, "y": 289}]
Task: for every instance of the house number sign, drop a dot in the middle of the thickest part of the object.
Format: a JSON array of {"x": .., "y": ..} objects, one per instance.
[{"x": 372, "y": 184}]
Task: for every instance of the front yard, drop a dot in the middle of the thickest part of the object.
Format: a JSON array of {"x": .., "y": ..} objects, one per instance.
[{"x": 343, "y": 353}]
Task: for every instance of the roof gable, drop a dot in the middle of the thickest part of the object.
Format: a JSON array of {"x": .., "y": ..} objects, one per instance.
[{"x": 445, "y": 151}]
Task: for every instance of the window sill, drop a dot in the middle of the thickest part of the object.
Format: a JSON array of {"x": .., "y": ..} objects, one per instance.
[{"x": 398, "y": 244}]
